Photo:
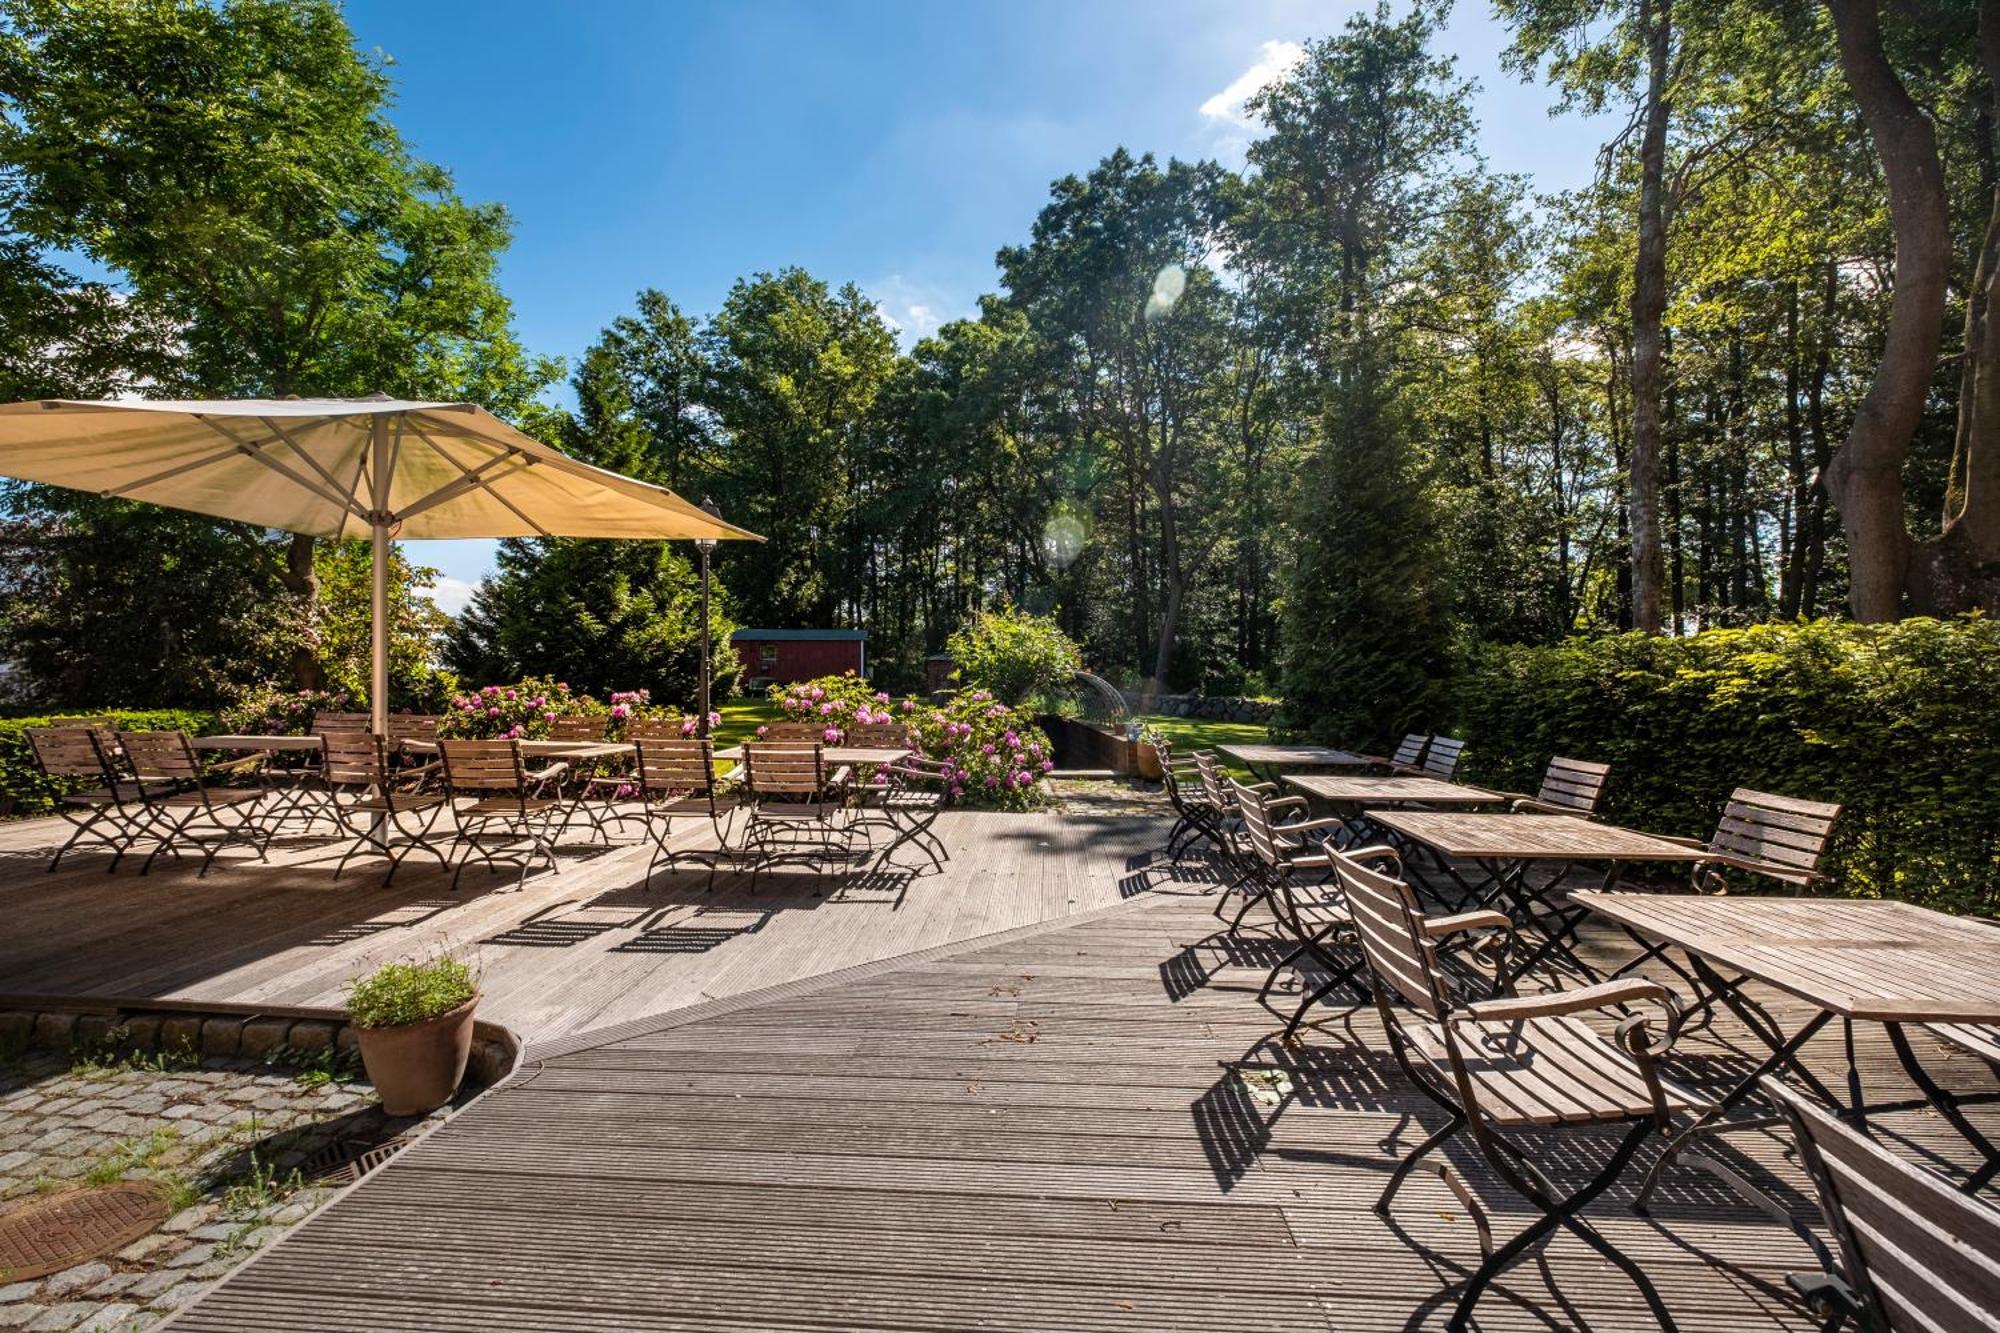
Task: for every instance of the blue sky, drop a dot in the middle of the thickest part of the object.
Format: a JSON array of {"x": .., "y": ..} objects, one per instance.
[{"x": 897, "y": 145}]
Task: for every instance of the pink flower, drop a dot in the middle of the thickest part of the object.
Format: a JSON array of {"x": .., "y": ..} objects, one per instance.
[
  {"x": 881, "y": 698},
  {"x": 760, "y": 732},
  {"x": 816, "y": 693},
  {"x": 1048, "y": 765},
  {"x": 687, "y": 727},
  {"x": 492, "y": 712},
  {"x": 621, "y": 711},
  {"x": 549, "y": 716},
  {"x": 715, "y": 719},
  {"x": 825, "y": 709},
  {"x": 908, "y": 704},
  {"x": 986, "y": 748}
]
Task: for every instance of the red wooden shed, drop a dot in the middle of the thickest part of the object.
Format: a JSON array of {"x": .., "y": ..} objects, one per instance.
[{"x": 781, "y": 656}]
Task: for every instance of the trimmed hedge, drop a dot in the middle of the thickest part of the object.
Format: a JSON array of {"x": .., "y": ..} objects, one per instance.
[
  {"x": 24, "y": 791},
  {"x": 1899, "y": 723}
]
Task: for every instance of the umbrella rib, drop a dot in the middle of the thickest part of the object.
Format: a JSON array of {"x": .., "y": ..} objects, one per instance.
[
  {"x": 221, "y": 455},
  {"x": 473, "y": 479},
  {"x": 331, "y": 480},
  {"x": 256, "y": 451}
]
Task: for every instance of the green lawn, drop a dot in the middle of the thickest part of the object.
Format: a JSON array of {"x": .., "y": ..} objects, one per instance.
[
  {"x": 741, "y": 718},
  {"x": 1193, "y": 733}
]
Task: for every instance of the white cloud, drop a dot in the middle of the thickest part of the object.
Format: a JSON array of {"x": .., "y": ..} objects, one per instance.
[
  {"x": 451, "y": 594},
  {"x": 1274, "y": 61},
  {"x": 915, "y": 308}
]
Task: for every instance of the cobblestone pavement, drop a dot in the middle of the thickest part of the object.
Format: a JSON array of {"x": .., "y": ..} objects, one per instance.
[{"x": 224, "y": 1138}]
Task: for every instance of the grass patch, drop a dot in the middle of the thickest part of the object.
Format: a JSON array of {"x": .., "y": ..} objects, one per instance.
[
  {"x": 1187, "y": 734},
  {"x": 741, "y": 718}
]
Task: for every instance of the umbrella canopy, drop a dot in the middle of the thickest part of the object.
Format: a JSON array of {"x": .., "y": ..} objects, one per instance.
[{"x": 376, "y": 467}]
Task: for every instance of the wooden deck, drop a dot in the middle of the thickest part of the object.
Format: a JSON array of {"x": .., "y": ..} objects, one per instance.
[
  {"x": 589, "y": 946},
  {"x": 1047, "y": 1128}
]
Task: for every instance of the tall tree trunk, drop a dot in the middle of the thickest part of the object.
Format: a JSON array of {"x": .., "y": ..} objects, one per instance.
[
  {"x": 1649, "y": 304},
  {"x": 1959, "y": 570},
  {"x": 1865, "y": 476},
  {"x": 303, "y": 583}
]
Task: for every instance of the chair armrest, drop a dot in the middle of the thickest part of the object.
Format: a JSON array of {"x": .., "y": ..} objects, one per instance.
[
  {"x": 1284, "y": 802},
  {"x": 839, "y": 777},
  {"x": 1770, "y": 869},
  {"x": 553, "y": 771},
  {"x": 1603, "y": 995},
  {"x": 1439, "y": 926},
  {"x": 1378, "y": 852},
  {"x": 1700, "y": 844},
  {"x": 1530, "y": 805}
]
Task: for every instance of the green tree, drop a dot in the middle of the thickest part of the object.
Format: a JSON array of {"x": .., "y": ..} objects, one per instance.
[
  {"x": 796, "y": 369},
  {"x": 1367, "y": 141},
  {"x": 233, "y": 166}
]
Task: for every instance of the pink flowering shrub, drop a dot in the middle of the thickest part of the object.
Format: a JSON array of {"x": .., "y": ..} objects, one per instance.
[
  {"x": 627, "y": 705},
  {"x": 996, "y": 754},
  {"x": 522, "y": 710},
  {"x": 838, "y": 702},
  {"x": 273, "y": 710}
]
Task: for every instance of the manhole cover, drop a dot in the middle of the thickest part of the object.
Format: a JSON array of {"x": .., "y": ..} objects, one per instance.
[{"x": 64, "y": 1230}]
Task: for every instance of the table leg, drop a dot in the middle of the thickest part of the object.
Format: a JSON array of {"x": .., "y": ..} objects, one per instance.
[
  {"x": 1948, "y": 1106},
  {"x": 1711, "y": 1121},
  {"x": 1511, "y": 881}
]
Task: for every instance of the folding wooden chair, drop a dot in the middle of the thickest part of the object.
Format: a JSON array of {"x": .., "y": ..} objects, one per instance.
[
  {"x": 1194, "y": 816},
  {"x": 675, "y": 779},
  {"x": 905, "y": 797},
  {"x": 793, "y": 733},
  {"x": 1569, "y": 787},
  {"x": 506, "y": 798},
  {"x": 184, "y": 807},
  {"x": 1294, "y": 874},
  {"x": 1503, "y": 1065},
  {"x": 1915, "y": 1255},
  {"x": 110, "y": 810},
  {"x": 1441, "y": 758},
  {"x": 381, "y": 804},
  {"x": 1407, "y": 760},
  {"x": 796, "y": 805}
]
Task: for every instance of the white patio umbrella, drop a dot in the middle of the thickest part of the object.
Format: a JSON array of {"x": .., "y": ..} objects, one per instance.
[{"x": 342, "y": 467}]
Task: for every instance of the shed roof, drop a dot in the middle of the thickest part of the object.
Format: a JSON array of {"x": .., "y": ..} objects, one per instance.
[{"x": 783, "y": 635}]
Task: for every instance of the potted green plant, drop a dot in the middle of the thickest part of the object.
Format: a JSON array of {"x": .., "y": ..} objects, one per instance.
[
  {"x": 1146, "y": 753},
  {"x": 414, "y": 1024}
]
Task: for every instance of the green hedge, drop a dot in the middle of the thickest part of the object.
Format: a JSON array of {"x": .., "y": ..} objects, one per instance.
[
  {"x": 1898, "y": 723},
  {"x": 24, "y": 791}
]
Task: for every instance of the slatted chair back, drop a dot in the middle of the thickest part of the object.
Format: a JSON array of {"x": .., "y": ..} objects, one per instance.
[
  {"x": 784, "y": 770},
  {"x": 1575, "y": 785},
  {"x": 794, "y": 733},
  {"x": 577, "y": 727},
  {"x": 102, "y": 725},
  {"x": 1257, "y": 826},
  {"x": 413, "y": 727},
  {"x": 879, "y": 736},
  {"x": 483, "y": 766},
  {"x": 675, "y": 767},
  {"x": 1916, "y": 1253},
  {"x": 1214, "y": 784},
  {"x": 160, "y": 755},
  {"x": 69, "y": 752},
  {"x": 1776, "y": 836},
  {"x": 1441, "y": 757},
  {"x": 1393, "y": 940},
  {"x": 353, "y": 758},
  {"x": 326, "y": 723},
  {"x": 1411, "y": 752},
  {"x": 654, "y": 729}
]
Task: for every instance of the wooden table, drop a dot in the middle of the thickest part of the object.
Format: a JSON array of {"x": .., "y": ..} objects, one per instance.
[
  {"x": 268, "y": 744},
  {"x": 547, "y": 749},
  {"x": 1505, "y": 847},
  {"x": 1271, "y": 761},
  {"x": 832, "y": 754},
  {"x": 1356, "y": 797},
  {"x": 1852, "y": 959}
]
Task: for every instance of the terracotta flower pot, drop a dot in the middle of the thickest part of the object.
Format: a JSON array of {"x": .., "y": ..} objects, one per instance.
[
  {"x": 1149, "y": 762},
  {"x": 417, "y": 1067}
]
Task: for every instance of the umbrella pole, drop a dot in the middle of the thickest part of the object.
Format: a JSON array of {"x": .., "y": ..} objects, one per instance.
[{"x": 378, "y": 592}]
